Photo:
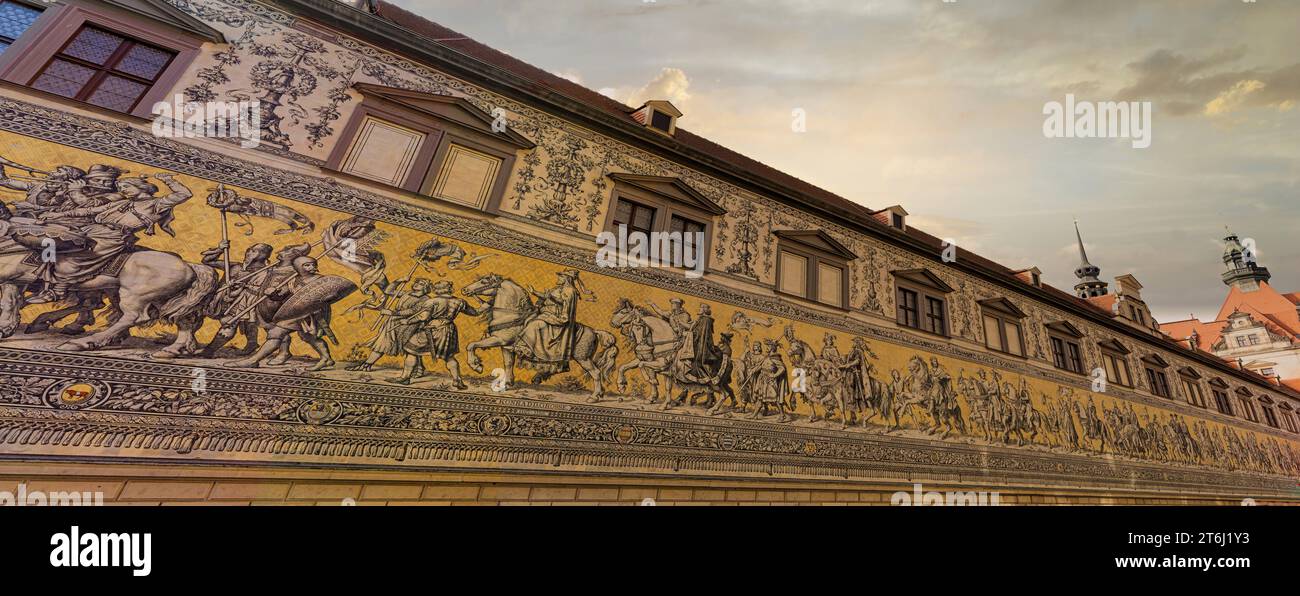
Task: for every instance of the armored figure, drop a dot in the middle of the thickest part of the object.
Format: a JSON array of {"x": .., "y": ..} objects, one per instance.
[
  {"x": 304, "y": 310},
  {"x": 234, "y": 304}
]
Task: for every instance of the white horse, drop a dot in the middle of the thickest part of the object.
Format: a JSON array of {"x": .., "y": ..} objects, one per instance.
[
  {"x": 510, "y": 308},
  {"x": 152, "y": 286}
]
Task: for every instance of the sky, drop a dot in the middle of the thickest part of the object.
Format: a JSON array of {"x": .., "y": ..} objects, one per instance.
[{"x": 939, "y": 107}]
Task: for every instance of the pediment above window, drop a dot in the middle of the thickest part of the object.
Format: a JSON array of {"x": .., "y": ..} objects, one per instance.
[
  {"x": 1188, "y": 371},
  {"x": 1155, "y": 360},
  {"x": 447, "y": 108},
  {"x": 168, "y": 14},
  {"x": 1003, "y": 306},
  {"x": 1218, "y": 383},
  {"x": 1113, "y": 346},
  {"x": 1064, "y": 328},
  {"x": 671, "y": 188},
  {"x": 818, "y": 240},
  {"x": 925, "y": 278}
]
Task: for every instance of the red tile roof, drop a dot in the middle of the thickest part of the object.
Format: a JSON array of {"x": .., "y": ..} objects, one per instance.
[
  {"x": 1181, "y": 330},
  {"x": 1105, "y": 302}
]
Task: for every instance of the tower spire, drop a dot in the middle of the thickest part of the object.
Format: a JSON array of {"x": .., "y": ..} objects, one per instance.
[
  {"x": 1083, "y": 254},
  {"x": 1244, "y": 271},
  {"x": 1089, "y": 284}
]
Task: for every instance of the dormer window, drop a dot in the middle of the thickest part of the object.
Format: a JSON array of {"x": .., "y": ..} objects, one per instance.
[
  {"x": 1031, "y": 275},
  {"x": 659, "y": 115},
  {"x": 661, "y": 121},
  {"x": 894, "y": 217}
]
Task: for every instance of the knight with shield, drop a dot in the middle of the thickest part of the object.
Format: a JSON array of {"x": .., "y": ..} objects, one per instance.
[{"x": 305, "y": 311}]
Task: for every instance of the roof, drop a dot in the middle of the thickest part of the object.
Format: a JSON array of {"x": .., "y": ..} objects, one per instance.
[
  {"x": 1181, "y": 330},
  {"x": 1276, "y": 311},
  {"x": 1265, "y": 304},
  {"x": 1105, "y": 302}
]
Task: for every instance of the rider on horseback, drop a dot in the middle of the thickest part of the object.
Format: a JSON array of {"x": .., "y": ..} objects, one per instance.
[{"x": 113, "y": 229}]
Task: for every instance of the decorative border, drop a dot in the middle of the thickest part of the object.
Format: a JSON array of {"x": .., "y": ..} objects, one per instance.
[{"x": 268, "y": 416}]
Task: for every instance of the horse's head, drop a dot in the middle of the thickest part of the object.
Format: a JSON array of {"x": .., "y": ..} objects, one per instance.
[
  {"x": 916, "y": 366},
  {"x": 624, "y": 314},
  {"x": 484, "y": 286}
]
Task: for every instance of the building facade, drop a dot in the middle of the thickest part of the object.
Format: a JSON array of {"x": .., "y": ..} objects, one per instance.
[
  {"x": 1257, "y": 327},
  {"x": 395, "y": 296}
]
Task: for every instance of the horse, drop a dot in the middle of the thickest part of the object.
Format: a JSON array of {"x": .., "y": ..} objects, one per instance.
[
  {"x": 509, "y": 309},
  {"x": 915, "y": 394},
  {"x": 153, "y": 286},
  {"x": 656, "y": 347}
]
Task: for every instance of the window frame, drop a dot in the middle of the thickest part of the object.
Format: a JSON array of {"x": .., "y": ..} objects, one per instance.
[
  {"x": 654, "y": 192},
  {"x": 794, "y": 242},
  {"x": 1005, "y": 313},
  {"x": 1270, "y": 414},
  {"x": 27, "y": 58},
  {"x": 101, "y": 72},
  {"x": 1156, "y": 370},
  {"x": 445, "y": 121},
  {"x": 32, "y": 5},
  {"x": 929, "y": 289},
  {"x": 1247, "y": 401},
  {"x": 1070, "y": 339},
  {"x": 1192, "y": 386},
  {"x": 1222, "y": 401},
  {"x": 1112, "y": 351},
  {"x": 1287, "y": 414},
  {"x": 635, "y": 205}
]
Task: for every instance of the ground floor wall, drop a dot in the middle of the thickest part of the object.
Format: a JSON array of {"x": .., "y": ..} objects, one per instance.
[
  {"x": 520, "y": 365},
  {"x": 153, "y": 485}
]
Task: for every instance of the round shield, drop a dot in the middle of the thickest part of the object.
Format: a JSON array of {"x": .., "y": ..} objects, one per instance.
[{"x": 313, "y": 295}]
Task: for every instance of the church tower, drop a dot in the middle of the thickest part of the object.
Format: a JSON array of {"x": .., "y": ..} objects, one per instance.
[
  {"x": 1089, "y": 285},
  {"x": 1244, "y": 272}
]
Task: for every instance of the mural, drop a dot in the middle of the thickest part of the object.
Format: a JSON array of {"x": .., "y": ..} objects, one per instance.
[
  {"x": 112, "y": 258},
  {"x": 159, "y": 299}
]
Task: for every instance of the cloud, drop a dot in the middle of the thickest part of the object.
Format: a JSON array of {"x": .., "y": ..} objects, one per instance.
[
  {"x": 1233, "y": 98},
  {"x": 1188, "y": 85},
  {"x": 671, "y": 84}
]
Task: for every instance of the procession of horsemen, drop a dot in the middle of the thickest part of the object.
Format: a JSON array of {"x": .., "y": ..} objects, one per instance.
[{"x": 71, "y": 243}]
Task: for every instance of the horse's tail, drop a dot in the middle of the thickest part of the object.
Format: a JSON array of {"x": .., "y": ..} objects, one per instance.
[{"x": 194, "y": 298}]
